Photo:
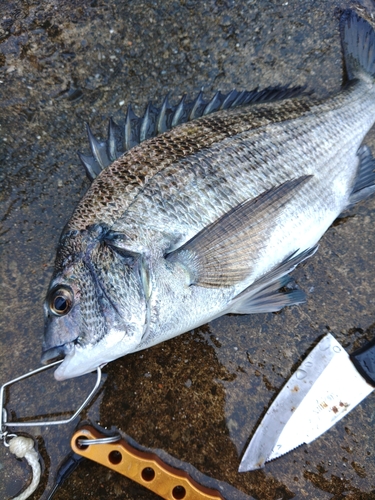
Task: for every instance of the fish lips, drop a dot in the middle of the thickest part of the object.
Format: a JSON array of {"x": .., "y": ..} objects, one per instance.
[
  {"x": 66, "y": 353},
  {"x": 55, "y": 353},
  {"x": 82, "y": 359},
  {"x": 76, "y": 362},
  {"x": 73, "y": 363}
]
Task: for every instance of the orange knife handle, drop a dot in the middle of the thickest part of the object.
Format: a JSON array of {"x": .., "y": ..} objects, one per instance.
[{"x": 144, "y": 467}]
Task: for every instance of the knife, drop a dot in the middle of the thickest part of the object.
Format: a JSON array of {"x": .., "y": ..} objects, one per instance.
[{"x": 327, "y": 385}]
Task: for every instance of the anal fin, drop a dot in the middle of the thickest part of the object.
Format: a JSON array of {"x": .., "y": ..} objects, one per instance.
[{"x": 274, "y": 290}]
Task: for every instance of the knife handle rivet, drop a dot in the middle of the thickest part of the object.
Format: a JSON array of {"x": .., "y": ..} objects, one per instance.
[
  {"x": 179, "y": 492},
  {"x": 115, "y": 457},
  {"x": 301, "y": 374},
  {"x": 148, "y": 474}
]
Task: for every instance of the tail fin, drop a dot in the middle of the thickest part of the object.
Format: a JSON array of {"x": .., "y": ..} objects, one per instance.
[{"x": 358, "y": 43}]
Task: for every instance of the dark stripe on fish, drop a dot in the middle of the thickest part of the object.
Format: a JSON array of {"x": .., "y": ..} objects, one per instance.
[
  {"x": 155, "y": 121},
  {"x": 118, "y": 185}
]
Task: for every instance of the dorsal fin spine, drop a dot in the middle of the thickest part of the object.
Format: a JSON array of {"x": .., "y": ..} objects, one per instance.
[{"x": 158, "y": 120}]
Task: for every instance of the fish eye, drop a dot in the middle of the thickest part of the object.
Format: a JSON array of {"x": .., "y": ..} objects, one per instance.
[{"x": 61, "y": 301}]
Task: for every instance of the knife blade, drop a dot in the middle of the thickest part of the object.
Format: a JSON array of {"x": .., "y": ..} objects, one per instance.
[{"x": 327, "y": 385}]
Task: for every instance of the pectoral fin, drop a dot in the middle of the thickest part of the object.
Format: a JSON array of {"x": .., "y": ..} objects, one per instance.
[{"x": 223, "y": 253}]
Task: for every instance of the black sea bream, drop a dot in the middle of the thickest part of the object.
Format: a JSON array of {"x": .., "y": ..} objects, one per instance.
[{"x": 209, "y": 216}]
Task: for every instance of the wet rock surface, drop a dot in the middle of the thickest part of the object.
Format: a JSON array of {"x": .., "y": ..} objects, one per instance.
[{"x": 200, "y": 396}]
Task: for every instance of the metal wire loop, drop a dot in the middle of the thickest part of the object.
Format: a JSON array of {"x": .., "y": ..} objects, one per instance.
[
  {"x": 5, "y": 435},
  {"x": 106, "y": 440},
  {"x": 3, "y": 415}
]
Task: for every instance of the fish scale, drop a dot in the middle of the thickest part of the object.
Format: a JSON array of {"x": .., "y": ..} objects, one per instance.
[
  {"x": 122, "y": 180},
  {"x": 248, "y": 175},
  {"x": 209, "y": 217}
]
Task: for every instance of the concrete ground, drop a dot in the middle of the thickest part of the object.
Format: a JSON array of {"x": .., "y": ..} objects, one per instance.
[{"x": 200, "y": 396}]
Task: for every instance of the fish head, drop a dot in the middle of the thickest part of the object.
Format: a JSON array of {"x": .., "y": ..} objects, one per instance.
[{"x": 95, "y": 308}]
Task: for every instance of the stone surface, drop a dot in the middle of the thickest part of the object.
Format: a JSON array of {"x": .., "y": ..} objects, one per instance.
[{"x": 199, "y": 396}]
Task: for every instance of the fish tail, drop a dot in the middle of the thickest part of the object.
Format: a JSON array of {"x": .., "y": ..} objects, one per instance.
[{"x": 358, "y": 43}]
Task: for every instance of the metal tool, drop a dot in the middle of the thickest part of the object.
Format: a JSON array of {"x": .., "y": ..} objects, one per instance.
[
  {"x": 144, "y": 467},
  {"x": 22, "y": 446},
  {"x": 4, "y": 423},
  {"x": 327, "y": 385}
]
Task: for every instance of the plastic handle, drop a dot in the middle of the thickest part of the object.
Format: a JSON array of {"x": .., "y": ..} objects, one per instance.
[
  {"x": 146, "y": 468},
  {"x": 364, "y": 361}
]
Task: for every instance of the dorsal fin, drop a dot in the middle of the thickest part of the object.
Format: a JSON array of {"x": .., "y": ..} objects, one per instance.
[{"x": 155, "y": 120}]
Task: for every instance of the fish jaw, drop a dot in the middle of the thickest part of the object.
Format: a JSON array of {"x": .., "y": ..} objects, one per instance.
[
  {"x": 82, "y": 359},
  {"x": 95, "y": 308}
]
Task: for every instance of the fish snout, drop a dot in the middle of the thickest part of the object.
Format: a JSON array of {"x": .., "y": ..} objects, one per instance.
[{"x": 52, "y": 354}]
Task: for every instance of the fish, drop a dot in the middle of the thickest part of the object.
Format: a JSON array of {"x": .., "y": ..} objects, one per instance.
[{"x": 201, "y": 209}]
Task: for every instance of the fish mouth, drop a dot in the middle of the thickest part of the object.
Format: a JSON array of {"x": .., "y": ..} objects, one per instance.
[{"x": 56, "y": 353}]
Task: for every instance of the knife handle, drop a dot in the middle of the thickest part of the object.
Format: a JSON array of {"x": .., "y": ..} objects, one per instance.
[
  {"x": 144, "y": 467},
  {"x": 364, "y": 361}
]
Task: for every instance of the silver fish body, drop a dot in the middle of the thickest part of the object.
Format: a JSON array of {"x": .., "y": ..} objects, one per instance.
[{"x": 209, "y": 218}]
